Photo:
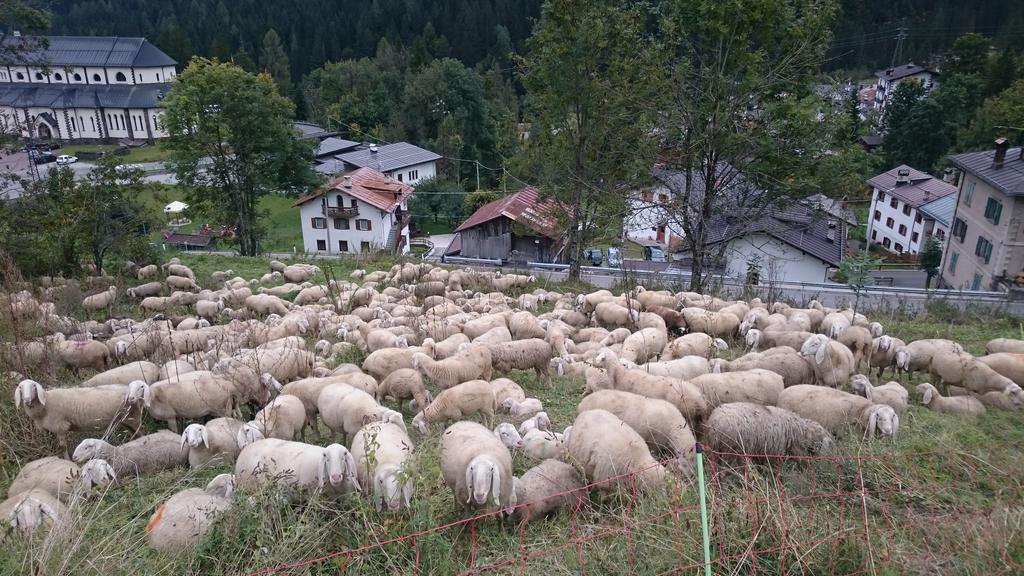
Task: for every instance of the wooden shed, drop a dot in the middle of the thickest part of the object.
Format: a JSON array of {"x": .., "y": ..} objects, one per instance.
[{"x": 519, "y": 227}]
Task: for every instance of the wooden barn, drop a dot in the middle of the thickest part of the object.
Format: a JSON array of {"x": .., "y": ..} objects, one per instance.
[{"x": 517, "y": 228}]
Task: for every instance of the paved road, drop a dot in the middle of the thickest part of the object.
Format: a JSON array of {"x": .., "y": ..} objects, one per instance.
[
  {"x": 900, "y": 278},
  {"x": 441, "y": 243}
]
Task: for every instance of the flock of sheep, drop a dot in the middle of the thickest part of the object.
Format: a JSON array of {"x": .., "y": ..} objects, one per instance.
[{"x": 252, "y": 371}]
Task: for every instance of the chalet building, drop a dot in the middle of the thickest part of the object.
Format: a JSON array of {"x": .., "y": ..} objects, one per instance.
[
  {"x": 518, "y": 228},
  {"x": 91, "y": 88},
  {"x": 401, "y": 161},
  {"x": 357, "y": 212},
  {"x": 890, "y": 78},
  {"x": 985, "y": 250},
  {"x": 898, "y": 221}
]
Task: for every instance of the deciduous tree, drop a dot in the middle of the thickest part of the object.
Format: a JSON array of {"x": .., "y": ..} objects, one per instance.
[{"x": 233, "y": 142}]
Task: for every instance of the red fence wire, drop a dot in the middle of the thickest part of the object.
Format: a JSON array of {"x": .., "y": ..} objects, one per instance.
[{"x": 922, "y": 513}]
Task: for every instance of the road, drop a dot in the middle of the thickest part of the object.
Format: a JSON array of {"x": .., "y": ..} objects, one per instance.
[{"x": 900, "y": 278}]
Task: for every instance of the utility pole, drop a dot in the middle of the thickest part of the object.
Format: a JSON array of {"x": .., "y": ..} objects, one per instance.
[
  {"x": 477, "y": 175},
  {"x": 900, "y": 37}
]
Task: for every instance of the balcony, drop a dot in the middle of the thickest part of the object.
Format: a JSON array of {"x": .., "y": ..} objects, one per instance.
[{"x": 341, "y": 212}]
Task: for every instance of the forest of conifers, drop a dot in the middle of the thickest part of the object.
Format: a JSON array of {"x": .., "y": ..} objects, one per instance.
[{"x": 319, "y": 31}]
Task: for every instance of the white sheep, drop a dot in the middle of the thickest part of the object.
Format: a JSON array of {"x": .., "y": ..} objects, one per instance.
[
  {"x": 506, "y": 388},
  {"x": 891, "y": 394},
  {"x": 613, "y": 315},
  {"x": 527, "y": 407},
  {"x": 745, "y": 428},
  {"x": 832, "y": 361},
  {"x": 658, "y": 422},
  {"x": 681, "y": 394},
  {"x": 29, "y": 510},
  {"x": 469, "y": 364},
  {"x": 77, "y": 354},
  {"x": 611, "y": 453},
  {"x": 139, "y": 370},
  {"x": 144, "y": 290},
  {"x": 63, "y": 410},
  {"x": 147, "y": 272},
  {"x": 61, "y": 478},
  {"x": 543, "y": 444},
  {"x": 959, "y": 405},
  {"x": 965, "y": 370},
  {"x": 547, "y": 487},
  {"x": 404, "y": 384},
  {"x": 508, "y": 435},
  {"x": 302, "y": 467},
  {"x": 837, "y": 410},
  {"x": 101, "y": 301},
  {"x": 383, "y": 454},
  {"x": 918, "y": 355},
  {"x": 476, "y": 467},
  {"x": 144, "y": 455},
  {"x": 643, "y": 345},
  {"x": 858, "y": 339},
  {"x": 180, "y": 523},
  {"x": 717, "y": 324},
  {"x": 345, "y": 409},
  {"x": 1004, "y": 345},
  {"x": 455, "y": 403},
  {"x": 539, "y": 421},
  {"x": 178, "y": 269},
  {"x": 694, "y": 344},
  {"x": 283, "y": 418},
  {"x": 213, "y": 443},
  {"x": 181, "y": 283},
  {"x": 195, "y": 395},
  {"x": 884, "y": 352},
  {"x": 683, "y": 368},
  {"x": 532, "y": 353}
]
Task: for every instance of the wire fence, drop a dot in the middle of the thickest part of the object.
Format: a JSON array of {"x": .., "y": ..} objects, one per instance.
[{"x": 915, "y": 513}]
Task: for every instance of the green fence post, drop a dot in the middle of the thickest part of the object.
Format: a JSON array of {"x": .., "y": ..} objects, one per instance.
[{"x": 703, "y": 510}]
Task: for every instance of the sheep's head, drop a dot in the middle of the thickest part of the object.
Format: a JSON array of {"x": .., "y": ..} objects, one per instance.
[
  {"x": 28, "y": 393},
  {"x": 752, "y": 337},
  {"x": 270, "y": 383},
  {"x": 720, "y": 345},
  {"x": 903, "y": 359},
  {"x": 401, "y": 342},
  {"x": 322, "y": 347},
  {"x": 248, "y": 434},
  {"x": 860, "y": 385},
  {"x": 138, "y": 391},
  {"x": 389, "y": 490},
  {"x": 883, "y": 419},
  {"x": 195, "y": 435},
  {"x": 1015, "y": 393},
  {"x": 508, "y": 435},
  {"x": 96, "y": 473},
  {"x": 88, "y": 449},
  {"x": 31, "y": 513},
  {"x": 876, "y": 329},
  {"x": 483, "y": 479},
  {"x": 508, "y": 405},
  {"x": 337, "y": 466},
  {"x": 222, "y": 485},
  {"x": 543, "y": 421}
]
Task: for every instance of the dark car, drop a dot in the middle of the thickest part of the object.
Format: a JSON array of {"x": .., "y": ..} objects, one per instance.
[
  {"x": 44, "y": 158},
  {"x": 654, "y": 253},
  {"x": 594, "y": 256}
]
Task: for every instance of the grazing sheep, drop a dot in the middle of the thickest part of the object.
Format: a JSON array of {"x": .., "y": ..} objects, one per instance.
[
  {"x": 383, "y": 454},
  {"x": 1004, "y": 345},
  {"x": 178, "y": 269},
  {"x": 304, "y": 468},
  {"x": 209, "y": 309},
  {"x": 147, "y": 272},
  {"x": 858, "y": 339},
  {"x": 717, "y": 324},
  {"x": 546, "y": 488},
  {"x": 837, "y": 411},
  {"x": 345, "y": 409},
  {"x": 182, "y": 283},
  {"x": 891, "y": 394},
  {"x": 542, "y": 444},
  {"x": 469, "y": 364},
  {"x": 144, "y": 290},
  {"x": 681, "y": 394},
  {"x": 61, "y": 478},
  {"x": 141, "y": 370},
  {"x": 884, "y": 352},
  {"x": 101, "y": 301},
  {"x": 1010, "y": 365},
  {"x": 682, "y": 368},
  {"x": 383, "y": 362},
  {"x": 527, "y": 407},
  {"x": 643, "y": 345},
  {"x": 965, "y": 370},
  {"x": 918, "y": 354},
  {"x": 759, "y": 340},
  {"x": 694, "y": 344},
  {"x": 455, "y": 403},
  {"x": 449, "y": 346},
  {"x": 145, "y": 455},
  {"x": 266, "y": 304},
  {"x": 533, "y": 353},
  {"x": 213, "y": 443},
  {"x": 745, "y": 428},
  {"x": 195, "y": 395},
  {"x": 508, "y": 435},
  {"x": 505, "y": 388},
  {"x": 63, "y": 410},
  {"x": 832, "y": 361},
  {"x": 524, "y": 326},
  {"x": 78, "y": 354},
  {"x": 283, "y": 418},
  {"x": 539, "y": 421},
  {"x": 659, "y": 423},
  {"x": 404, "y": 384},
  {"x": 612, "y": 315},
  {"x": 611, "y": 453},
  {"x": 959, "y": 405},
  {"x": 476, "y": 467},
  {"x": 30, "y": 510},
  {"x": 180, "y": 523}
]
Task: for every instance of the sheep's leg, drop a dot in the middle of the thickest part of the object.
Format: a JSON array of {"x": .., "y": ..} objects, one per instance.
[{"x": 172, "y": 424}]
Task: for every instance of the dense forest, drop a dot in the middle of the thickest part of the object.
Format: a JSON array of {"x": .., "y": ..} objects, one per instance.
[{"x": 318, "y": 31}]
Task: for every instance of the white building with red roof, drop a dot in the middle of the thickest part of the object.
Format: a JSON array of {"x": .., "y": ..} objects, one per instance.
[{"x": 358, "y": 211}]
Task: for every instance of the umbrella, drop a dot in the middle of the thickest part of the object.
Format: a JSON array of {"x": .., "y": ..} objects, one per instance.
[{"x": 175, "y": 207}]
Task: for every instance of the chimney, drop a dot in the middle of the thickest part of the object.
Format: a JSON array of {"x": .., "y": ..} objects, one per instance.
[
  {"x": 346, "y": 182},
  {"x": 373, "y": 148},
  {"x": 1000, "y": 157},
  {"x": 948, "y": 175},
  {"x": 902, "y": 176}
]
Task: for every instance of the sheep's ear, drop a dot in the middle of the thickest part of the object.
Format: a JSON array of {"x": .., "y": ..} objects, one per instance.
[
  {"x": 184, "y": 438},
  {"x": 895, "y": 424},
  {"x": 819, "y": 355},
  {"x": 469, "y": 484},
  {"x": 40, "y": 393},
  {"x": 926, "y": 397},
  {"x": 18, "y": 396},
  {"x": 495, "y": 484},
  {"x": 322, "y": 472},
  {"x": 872, "y": 422},
  {"x": 407, "y": 493},
  {"x": 350, "y": 464},
  {"x": 206, "y": 437}
]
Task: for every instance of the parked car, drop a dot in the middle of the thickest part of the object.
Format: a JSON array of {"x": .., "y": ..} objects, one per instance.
[
  {"x": 614, "y": 257},
  {"x": 43, "y": 158},
  {"x": 654, "y": 253},
  {"x": 65, "y": 159},
  {"x": 594, "y": 256}
]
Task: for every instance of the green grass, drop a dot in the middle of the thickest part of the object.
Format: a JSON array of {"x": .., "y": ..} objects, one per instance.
[
  {"x": 945, "y": 497},
  {"x": 281, "y": 222},
  {"x": 136, "y": 154},
  {"x": 426, "y": 225}
]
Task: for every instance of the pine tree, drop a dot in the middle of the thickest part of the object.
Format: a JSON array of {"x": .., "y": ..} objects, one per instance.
[{"x": 274, "y": 61}]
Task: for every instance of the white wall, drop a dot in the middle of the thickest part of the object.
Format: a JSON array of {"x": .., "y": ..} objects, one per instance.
[
  {"x": 780, "y": 262},
  {"x": 415, "y": 173},
  {"x": 881, "y": 231},
  {"x": 644, "y": 218},
  {"x": 380, "y": 226}
]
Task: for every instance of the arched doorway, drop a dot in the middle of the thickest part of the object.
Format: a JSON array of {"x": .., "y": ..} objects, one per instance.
[{"x": 43, "y": 131}]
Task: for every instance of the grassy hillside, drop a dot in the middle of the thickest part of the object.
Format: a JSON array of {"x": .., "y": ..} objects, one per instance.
[{"x": 945, "y": 497}]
